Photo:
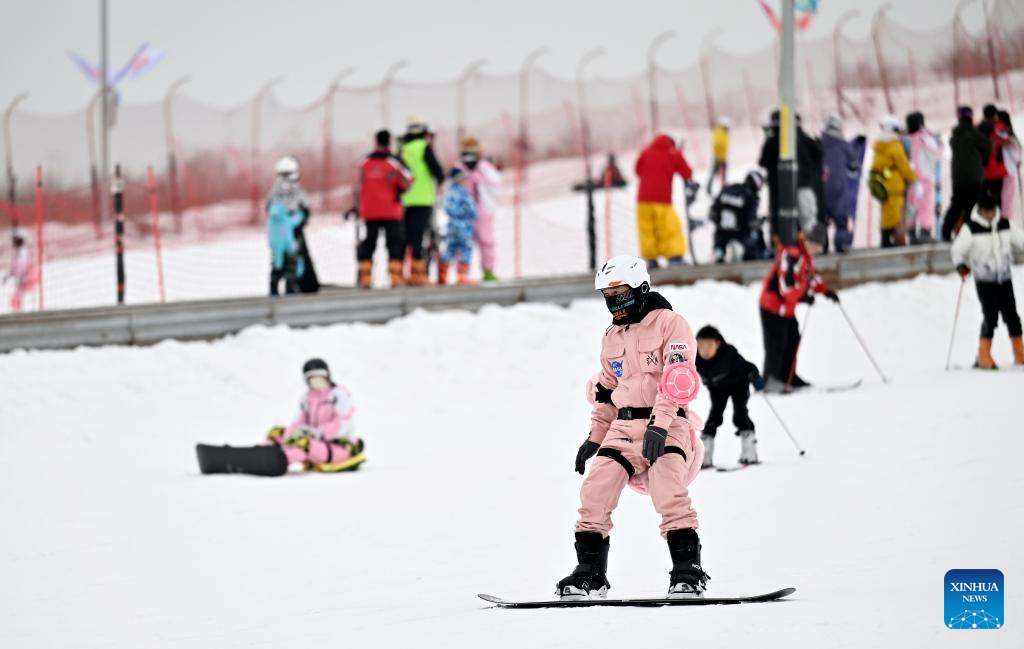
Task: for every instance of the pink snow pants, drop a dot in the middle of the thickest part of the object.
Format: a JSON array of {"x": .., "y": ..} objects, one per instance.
[
  {"x": 666, "y": 478},
  {"x": 320, "y": 452},
  {"x": 484, "y": 236},
  {"x": 1009, "y": 198},
  {"x": 921, "y": 199}
]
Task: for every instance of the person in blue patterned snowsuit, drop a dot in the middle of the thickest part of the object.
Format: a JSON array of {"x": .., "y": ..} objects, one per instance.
[
  {"x": 462, "y": 214},
  {"x": 285, "y": 259}
]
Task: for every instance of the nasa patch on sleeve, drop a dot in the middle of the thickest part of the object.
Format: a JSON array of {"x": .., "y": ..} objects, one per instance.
[{"x": 677, "y": 352}]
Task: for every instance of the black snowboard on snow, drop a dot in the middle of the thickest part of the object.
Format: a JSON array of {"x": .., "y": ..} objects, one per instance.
[
  {"x": 252, "y": 460},
  {"x": 658, "y": 601}
]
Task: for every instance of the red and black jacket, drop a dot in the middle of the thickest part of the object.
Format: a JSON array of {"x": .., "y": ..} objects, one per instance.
[
  {"x": 382, "y": 179},
  {"x": 790, "y": 281}
]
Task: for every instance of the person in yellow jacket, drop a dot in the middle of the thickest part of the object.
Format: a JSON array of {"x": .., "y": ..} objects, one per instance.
[
  {"x": 892, "y": 163},
  {"x": 720, "y": 153}
]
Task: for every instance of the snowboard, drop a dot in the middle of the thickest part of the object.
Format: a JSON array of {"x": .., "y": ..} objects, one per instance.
[
  {"x": 649, "y": 602},
  {"x": 253, "y": 460}
]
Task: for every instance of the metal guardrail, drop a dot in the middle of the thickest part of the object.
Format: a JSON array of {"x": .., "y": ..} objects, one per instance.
[{"x": 207, "y": 319}]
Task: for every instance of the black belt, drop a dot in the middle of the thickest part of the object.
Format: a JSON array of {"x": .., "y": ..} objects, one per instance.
[{"x": 629, "y": 414}]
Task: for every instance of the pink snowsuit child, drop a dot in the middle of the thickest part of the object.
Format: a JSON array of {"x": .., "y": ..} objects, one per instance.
[
  {"x": 484, "y": 183},
  {"x": 639, "y": 425},
  {"x": 322, "y": 434},
  {"x": 925, "y": 150},
  {"x": 23, "y": 270}
]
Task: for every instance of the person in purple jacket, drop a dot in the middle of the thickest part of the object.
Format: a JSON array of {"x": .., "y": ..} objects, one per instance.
[{"x": 839, "y": 164}]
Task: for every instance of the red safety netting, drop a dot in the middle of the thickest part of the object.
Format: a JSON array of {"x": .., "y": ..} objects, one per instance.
[{"x": 213, "y": 166}]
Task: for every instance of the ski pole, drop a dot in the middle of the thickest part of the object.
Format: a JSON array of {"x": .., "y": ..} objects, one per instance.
[
  {"x": 783, "y": 424},
  {"x": 956, "y": 316},
  {"x": 861, "y": 341}
]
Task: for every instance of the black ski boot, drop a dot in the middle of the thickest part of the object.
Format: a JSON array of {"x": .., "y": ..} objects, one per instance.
[
  {"x": 588, "y": 580},
  {"x": 687, "y": 578}
]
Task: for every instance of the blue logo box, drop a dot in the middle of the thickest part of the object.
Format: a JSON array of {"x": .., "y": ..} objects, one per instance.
[{"x": 974, "y": 599}]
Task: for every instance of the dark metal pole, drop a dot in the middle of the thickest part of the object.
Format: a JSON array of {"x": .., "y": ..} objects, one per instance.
[
  {"x": 105, "y": 105},
  {"x": 12, "y": 180},
  {"x": 875, "y": 33},
  {"x": 117, "y": 189}
]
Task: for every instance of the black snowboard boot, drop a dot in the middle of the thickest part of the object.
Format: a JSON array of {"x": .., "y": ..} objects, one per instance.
[
  {"x": 588, "y": 580},
  {"x": 687, "y": 578}
]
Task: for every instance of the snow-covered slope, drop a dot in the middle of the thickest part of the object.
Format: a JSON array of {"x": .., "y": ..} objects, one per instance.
[{"x": 111, "y": 539}]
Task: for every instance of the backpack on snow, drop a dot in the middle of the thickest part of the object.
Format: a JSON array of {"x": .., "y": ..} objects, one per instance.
[{"x": 876, "y": 184}]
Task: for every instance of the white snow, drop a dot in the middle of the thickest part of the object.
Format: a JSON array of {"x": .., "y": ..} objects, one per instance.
[{"x": 112, "y": 539}]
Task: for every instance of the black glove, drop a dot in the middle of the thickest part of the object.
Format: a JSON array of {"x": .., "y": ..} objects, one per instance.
[
  {"x": 603, "y": 394},
  {"x": 352, "y": 213},
  {"x": 654, "y": 443},
  {"x": 808, "y": 299},
  {"x": 832, "y": 295},
  {"x": 587, "y": 450},
  {"x": 964, "y": 270}
]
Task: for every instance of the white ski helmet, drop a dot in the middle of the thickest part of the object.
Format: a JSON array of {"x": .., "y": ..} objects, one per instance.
[
  {"x": 620, "y": 270},
  {"x": 288, "y": 168},
  {"x": 889, "y": 123}
]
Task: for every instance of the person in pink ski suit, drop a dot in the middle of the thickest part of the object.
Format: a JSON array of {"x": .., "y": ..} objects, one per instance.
[
  {"x": 639, "y": 425},
  {"x": 484, "y": 183},
  {"x": 322, "y": 435},
  {"x": 23, "y": 270},
  {"x": 924, "y": 150}
]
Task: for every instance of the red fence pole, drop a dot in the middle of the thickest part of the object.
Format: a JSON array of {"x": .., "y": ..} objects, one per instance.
[
  {"x": 39, "y": 231},
  {"x": 151, "y": 178},
  {"x": 118, "y": 191}
]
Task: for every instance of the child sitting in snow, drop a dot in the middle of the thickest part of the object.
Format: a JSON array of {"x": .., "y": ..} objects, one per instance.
[
  {"x": 726, "y": 374},
  {"x": 462, "y": 213},
  {"x": 322, "y": 436}
]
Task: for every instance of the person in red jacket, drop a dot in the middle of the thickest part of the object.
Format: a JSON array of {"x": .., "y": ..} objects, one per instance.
[
  {"x": 382, "y": 179},
  {"x": 660, "y": 232},
  {"x": 792, "y": 279},
  {"x": 995, "y": 168}
]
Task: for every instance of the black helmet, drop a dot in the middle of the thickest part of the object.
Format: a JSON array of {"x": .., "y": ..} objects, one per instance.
[
  {"x": 754, "y": 180},
  {"x": 315, "y": 367}
]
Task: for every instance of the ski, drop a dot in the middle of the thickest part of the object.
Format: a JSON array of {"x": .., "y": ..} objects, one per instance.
[
  {"x": 736, "y": 467},
  {"x": 253, "y": 460},
  {"x": 648, "y": 602}
]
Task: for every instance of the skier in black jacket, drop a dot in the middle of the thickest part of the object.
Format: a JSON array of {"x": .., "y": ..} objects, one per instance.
[
  {"x": 734, "y": 214},
  {"x": 726, "y": 374}
]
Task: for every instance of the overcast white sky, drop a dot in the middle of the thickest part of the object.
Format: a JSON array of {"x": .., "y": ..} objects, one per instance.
[{"x": 231, "y": 48}]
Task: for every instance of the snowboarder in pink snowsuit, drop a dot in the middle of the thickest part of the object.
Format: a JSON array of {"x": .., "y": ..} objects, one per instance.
[
  {"x": 484, "y": 183},
  {"x": 639, "y": 424},
  {"x": 23, "y": 270},
  {"x": 322, "y": 435},
  {"x": 924, "y": 150}
]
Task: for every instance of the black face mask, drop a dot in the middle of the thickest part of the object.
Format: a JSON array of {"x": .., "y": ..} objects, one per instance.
[
  {"x": 626, "y": 306},
  {"x": 470, "y": 160}
]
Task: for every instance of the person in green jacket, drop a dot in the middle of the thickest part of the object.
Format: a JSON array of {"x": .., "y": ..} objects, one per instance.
[
  {"x": 971, "y": 150},
  {"x": 427, "y": 173}
]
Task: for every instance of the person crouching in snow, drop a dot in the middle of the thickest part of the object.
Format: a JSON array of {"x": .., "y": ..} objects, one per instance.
[
  {"x": 985, "y": 247},
  {"x": 462, "y": 212},
  {"x": 322, "y": 437},
  {"x": 727, "y": 375},
  {"x": 640, "y": 425}
]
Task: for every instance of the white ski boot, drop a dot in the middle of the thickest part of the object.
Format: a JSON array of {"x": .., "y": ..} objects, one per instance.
[
  {"x": 748, "y": 452},
  {"x": 709, "y": 451}
]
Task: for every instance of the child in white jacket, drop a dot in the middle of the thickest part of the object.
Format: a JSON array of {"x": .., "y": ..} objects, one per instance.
[{"x": 985, "y": 246}]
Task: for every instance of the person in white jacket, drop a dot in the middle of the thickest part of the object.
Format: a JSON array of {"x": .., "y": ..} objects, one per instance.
[{"x": 985, "y": 246}]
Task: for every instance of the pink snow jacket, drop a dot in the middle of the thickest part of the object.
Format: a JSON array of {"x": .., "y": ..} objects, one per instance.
[
  {"x": 633, "y": 359},
  {"x": 327, "y": 413}
]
